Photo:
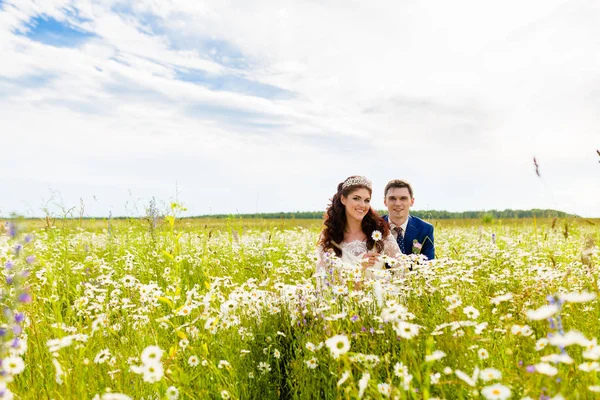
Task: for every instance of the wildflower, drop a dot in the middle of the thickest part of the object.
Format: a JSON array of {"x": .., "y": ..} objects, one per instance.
[
  {"x": 483, "y": 354},
  {"x": 193, "y": 361},
  {"x": 102, "y": 356},
  {"x": 13, "y": 365},
  {"x": 376, "y": 235},
  {"x": 435, "y": 378},
  {"x": 264, "y": 367},
  {"x": 521, "y": 330},
  {"x": 499, "y": 299},
  {"x": 184, "y": 343},
  {"x": 546, "y": 369},
  {"x": 338, "y": 345},
  {"x": 172, "y": 393},
  {"x": 543, "y": 312},
  {"x": 385, "y": 389},
  {"x": 577, "y": 297},
  {"x": 496, "y": 392},
  {"x": 224, "y": 364},
  {"x": 466, "y": 378},
  {"x": 589, "y": 366},
  {"x": 343, "y": 379},
  {"x": 479, "y": 328},
  {"x": 568, "y": 339},
  {"x": 541, "y": 344},
  {"x": 276, "y": 353},
  {"x": 340, "y": 289},
  {"x": 151, "y": 354},
  {"x": 594, "y": 388},
  {"x": 471, "y": 312},
  {"x": 447, "y": 370},
  {"x": 406, "y": 330},
  {"x": 309, "y": 346},
  {"x": 128, "y": 281},
  {"x": 400, "y": 370},
  {"x": 228, "y": 306},
  {"x": 454, "y": 301},
  {"x": 490, "y": 374},
  {"x": 393, "y": 313},
  {"x": 152, "y": 372},
  {"x": 114, "y": 396},
  {"x": 362, "y": 384},
  {"x": 556, "y": 358},
  {"x": 312, "y": 363},
  {"x": 225, "y": 395},
  {"x": 436, "y": 355}
]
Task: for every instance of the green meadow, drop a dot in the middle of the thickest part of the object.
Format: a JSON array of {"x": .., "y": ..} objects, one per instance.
[{"x": 232, "y": 308}]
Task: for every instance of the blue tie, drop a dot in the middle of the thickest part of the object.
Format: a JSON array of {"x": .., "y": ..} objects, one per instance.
[{"x": 400, "y": 239}]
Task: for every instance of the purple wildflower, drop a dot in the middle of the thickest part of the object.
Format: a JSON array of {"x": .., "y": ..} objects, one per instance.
[
  {"x": 19, "y": 317},
  {"x": 25, "y": 297},
  {"x": 30, "y": 259},
  {"x": 530, "y": 368}
]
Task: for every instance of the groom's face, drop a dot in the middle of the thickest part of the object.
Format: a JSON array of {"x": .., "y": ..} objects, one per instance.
[{"x": 398, "y": 202}]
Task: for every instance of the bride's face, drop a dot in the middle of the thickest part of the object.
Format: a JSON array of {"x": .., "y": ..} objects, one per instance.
[{"x": 357, "y": 204}]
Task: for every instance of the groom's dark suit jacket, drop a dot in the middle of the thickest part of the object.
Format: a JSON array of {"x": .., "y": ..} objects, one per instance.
[{"x": 421, "y": 231}]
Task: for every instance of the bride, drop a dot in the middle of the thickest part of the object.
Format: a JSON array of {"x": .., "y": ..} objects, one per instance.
[{"x": 353, "y": 230}]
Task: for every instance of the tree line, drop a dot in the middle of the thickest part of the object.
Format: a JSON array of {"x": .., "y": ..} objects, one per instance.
[{"x": 425, "y": 214}]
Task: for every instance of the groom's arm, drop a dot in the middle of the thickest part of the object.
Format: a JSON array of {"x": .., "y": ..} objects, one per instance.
[{"x": 428, "y": 248}]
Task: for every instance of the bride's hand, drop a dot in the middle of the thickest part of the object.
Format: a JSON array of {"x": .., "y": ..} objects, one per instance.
[{"x": 369, "y": 259}]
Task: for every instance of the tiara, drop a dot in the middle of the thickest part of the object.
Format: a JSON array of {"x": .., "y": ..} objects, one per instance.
[{"x": 357, "y": 181}]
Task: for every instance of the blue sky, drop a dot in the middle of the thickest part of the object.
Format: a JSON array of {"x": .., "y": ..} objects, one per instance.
[{"x": 253, "y": 106}]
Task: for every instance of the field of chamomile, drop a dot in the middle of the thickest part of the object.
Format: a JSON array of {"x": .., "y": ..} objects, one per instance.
[{"x": 234, "y": 309}]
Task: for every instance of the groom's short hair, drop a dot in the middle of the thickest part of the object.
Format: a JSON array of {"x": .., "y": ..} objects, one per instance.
[{"x": 398, "y": 183}]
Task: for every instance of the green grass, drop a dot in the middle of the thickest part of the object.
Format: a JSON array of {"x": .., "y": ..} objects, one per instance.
[{"x": 183, "y": 271}]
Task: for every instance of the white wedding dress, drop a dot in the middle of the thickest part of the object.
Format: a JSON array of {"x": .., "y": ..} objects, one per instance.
[{"x": 352, "y": 253}]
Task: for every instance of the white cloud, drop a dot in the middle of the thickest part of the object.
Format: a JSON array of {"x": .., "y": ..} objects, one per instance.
[{"x": 457, "y": 97}]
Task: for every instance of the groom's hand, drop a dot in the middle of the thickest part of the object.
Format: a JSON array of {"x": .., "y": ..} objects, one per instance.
[{"x": 369, "y": 259}]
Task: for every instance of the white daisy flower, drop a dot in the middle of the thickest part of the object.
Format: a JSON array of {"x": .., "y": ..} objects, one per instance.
[
  {"x": 589, "y": 366},
  {"x": 471, "y": 312},
  {"x": 541, "y": 344},
  {"x": 102, "y": 357},
  {"x": 543, "y": 312},
  {"x": 312, "y": 363},
  {"x": 496, "y": 392},
  {"x": 172, "y": 393},
  {"x": 568, "y": 339},
  {"x": 546, "y": 369},
  {"x": 13, "y": 365},
  {"x": 362, "y": 384},
  {"x": 338, "y": 345},
  {"x": 490, "y": 374},
  {"x": 483, "y": 354},
  {"x": 152, "y": 372},
  {"x": 578, "y": 297},
  {"x": 376, "y": 235},
  {"x": 343, "y": 379},
  {"x": 151, "y": 354},
  {"x": 406, "y": 330},
  {"x": 385, "y": 389},
  {"x": 436, "y": 355}
]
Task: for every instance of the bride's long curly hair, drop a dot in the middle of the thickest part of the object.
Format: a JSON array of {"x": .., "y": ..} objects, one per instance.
[{"x": 335, "y": 222}]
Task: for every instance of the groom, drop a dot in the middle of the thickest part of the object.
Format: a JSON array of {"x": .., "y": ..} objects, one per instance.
[{"x": 412, "y": 234}]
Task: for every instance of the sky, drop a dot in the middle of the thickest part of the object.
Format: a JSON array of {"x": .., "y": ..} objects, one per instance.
[{"x": 244, "y": 106}]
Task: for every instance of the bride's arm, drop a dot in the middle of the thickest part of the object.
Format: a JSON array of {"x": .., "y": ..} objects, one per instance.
[{"x": 390, "y": 246}]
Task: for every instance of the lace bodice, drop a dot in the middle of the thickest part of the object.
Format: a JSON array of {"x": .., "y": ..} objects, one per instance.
[{"x": 352, "y": 252}]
